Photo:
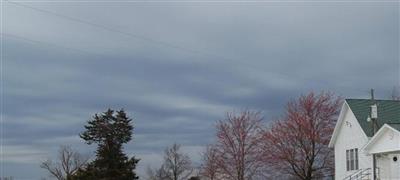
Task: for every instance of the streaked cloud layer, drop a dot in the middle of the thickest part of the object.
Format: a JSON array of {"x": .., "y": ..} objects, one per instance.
[{"x": 178, "y": 67}]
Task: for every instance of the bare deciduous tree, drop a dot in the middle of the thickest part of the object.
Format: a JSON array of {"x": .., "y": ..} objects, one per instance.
[
  {"x": 237, "y": 150},
  {"x": 156, "y": 174},
  {"x": 69, "y": 162},
  {"x": 209, "y": 168},
  {"x": 176, "y": 166},
  {"x": 298, "y": 144}
]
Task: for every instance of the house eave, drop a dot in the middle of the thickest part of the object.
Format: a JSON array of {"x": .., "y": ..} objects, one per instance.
[
  {"x": 339, "y": 122},
  {"x": 378, "y": 134}
]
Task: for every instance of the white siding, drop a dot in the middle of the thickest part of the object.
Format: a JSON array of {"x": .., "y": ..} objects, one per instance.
[
  {"x": 388, "y": 141},
  {"x": 387, "y": 145},
  {"x": 389, "y": 169},
  {"x": 350, "y": 136}
]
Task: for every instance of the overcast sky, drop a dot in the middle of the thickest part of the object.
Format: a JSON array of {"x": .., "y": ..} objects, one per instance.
[{"x": 177, "y": 67}]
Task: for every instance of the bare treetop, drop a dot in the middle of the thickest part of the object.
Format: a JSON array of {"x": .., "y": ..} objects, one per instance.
[
  {"x": 298, "y": 144},
  {"x": 176, "y": 166},
  {"x": 68, "y": 163},
  {"x": 236, "y": 152}
]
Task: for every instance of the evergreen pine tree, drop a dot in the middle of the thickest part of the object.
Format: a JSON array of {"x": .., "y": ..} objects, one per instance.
[{"x": 109, "y": 130}]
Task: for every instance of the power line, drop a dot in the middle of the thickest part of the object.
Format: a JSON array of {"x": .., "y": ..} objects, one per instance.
[
  {"x": 53, "y": 45},
  {"x": 48, "y": 44},
  {"x": 128, "y": 34}
]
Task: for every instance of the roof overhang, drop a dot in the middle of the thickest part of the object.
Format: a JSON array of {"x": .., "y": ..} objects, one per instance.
[
  {"x": 343, "y": 111},
  {"x": 390, "y": 147}
]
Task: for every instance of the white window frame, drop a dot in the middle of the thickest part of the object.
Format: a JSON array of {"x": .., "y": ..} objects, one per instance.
[
  {"x": 356, "y": 160},
  {"x": 352, "y": 159},
  {"x": 347, "y": 160}
]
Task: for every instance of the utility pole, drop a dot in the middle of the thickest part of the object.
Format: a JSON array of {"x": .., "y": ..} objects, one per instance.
[
  {"x": 373, "y": 118},
  {"x": 372, "y": 95}
]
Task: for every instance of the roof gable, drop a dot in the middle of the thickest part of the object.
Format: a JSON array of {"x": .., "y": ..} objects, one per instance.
[
  {"x": 388, "y": 113},
  {"x": 346, "y": 118},
  {"x": 383, "y": 141},
  {"x": 338, "y": 125}
]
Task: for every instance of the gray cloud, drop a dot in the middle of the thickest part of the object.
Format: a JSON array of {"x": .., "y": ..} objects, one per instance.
[{"x": 59, "y": 72}]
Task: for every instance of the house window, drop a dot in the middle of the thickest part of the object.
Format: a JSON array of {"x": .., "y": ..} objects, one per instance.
[
  {"x": 352, "y": 159},
  {"x": 356, "y": 160},
  {"x": 348, "y": 160}
]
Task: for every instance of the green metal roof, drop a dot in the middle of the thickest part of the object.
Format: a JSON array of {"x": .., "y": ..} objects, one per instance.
[{"x": 388, "y": 113}]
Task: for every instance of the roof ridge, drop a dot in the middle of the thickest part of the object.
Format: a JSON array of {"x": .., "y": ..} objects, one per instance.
[{"x": 371, "y": 99}]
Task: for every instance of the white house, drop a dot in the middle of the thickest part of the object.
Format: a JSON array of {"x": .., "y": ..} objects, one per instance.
[{"x": 355, "y": 142}]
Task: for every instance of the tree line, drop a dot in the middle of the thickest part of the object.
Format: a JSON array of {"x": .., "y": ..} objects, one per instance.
[
  {"x": 245, "y": 147},
  {"x": 110, "y": 130}
]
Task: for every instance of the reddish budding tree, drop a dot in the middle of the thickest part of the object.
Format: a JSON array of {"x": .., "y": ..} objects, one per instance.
[
  {"x": 209, "y": 168},
  {"x": 236, "y": 154},
  {"x": 298, "y": 144}
]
